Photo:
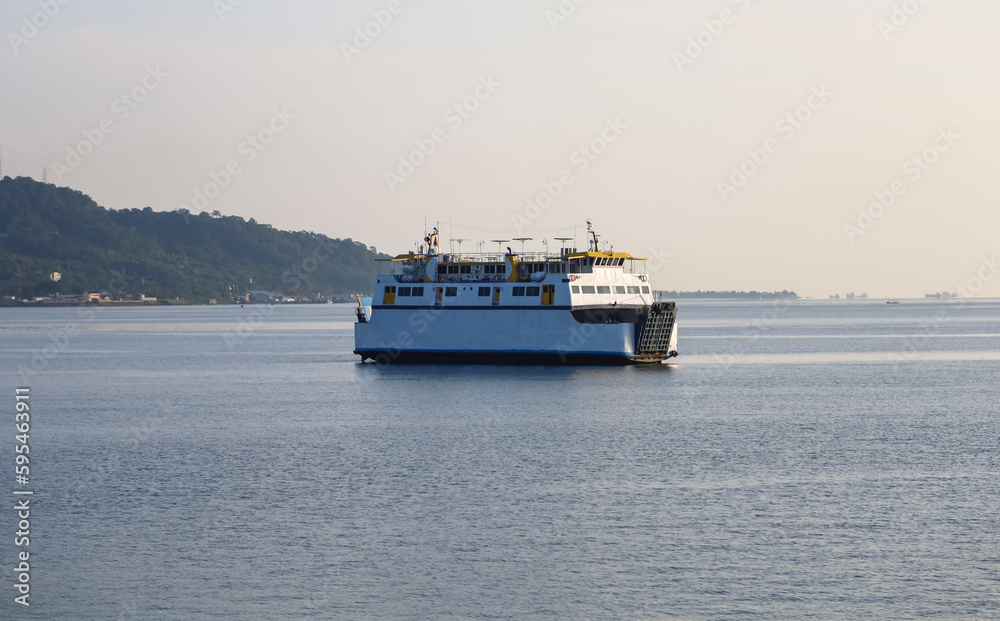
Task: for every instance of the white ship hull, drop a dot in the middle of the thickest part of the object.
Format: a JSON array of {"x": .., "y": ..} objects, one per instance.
[{"x": 490, "y": 334}]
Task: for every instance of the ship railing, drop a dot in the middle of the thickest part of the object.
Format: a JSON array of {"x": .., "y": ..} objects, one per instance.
[{"x": 494, "y": 257}]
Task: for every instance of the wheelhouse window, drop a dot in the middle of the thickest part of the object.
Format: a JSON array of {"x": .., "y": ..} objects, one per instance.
[
  {"x": 645, "y": 289},
  {"x": 588, "y": 289},
  {"x": 619, "y": 289},
  {"x": 604, "y": 289},
  {"x": 633, "y": 289},
  {"x": 576, "y": 288}
]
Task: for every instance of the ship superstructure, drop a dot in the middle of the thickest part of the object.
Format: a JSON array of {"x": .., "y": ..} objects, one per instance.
[{"x": 590, "y": 307}]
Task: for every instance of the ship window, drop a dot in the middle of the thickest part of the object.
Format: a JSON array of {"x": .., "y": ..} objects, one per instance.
[
  {"x": 645, "y": 289},
  {"x": 604, "y": 289},
  {"x": 534, "y": 291},
  {"x": 518, "y": 292},
  {"x": 418, "y": 292},
  {"x": 451, "y": 291},
  {"x": 466, "y": 269},
  {"x": 404, "y": 292},
  {"x": 619, "y": 289},
  {"x": 576, "y": 288},
  {"x": 484, "y": 292},
  {"x": 633, "y": 289},
  {"x": 587, "y": 289},
  {"x": 490, "y": 269}
]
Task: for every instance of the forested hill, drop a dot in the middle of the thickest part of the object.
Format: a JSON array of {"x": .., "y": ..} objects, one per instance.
[{"x": 45, "y": 229}]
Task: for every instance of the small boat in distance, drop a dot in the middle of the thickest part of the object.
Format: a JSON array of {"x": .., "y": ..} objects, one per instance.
[
  {"x": 592, "y": 307},
  {"x": 892, "y": 301}
]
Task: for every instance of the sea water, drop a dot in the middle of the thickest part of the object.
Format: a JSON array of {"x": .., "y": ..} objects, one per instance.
[{"x": 814, "y": 459}]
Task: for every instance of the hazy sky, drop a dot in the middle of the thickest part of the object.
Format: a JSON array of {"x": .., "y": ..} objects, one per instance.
[{"x": 637, "y": 114}]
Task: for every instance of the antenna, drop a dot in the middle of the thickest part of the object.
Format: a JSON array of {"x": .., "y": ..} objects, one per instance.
[
  {"x": 499, "y": 243},
  {"x": 459, "y": 242},
  {"x": 564, "y": 240},
  {"x": 522, "y": 240}
]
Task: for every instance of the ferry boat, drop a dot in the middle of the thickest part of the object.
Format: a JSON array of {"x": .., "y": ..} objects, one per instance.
[{"x": 570, "y": 308}]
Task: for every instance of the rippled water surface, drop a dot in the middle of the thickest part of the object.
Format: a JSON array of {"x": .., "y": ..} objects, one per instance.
[{"x": 813, "y": 460}]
